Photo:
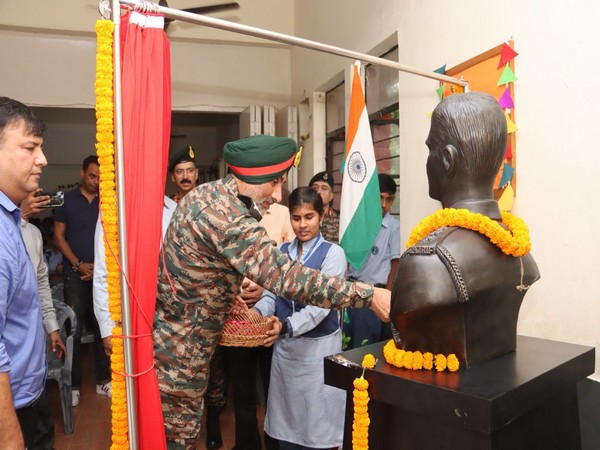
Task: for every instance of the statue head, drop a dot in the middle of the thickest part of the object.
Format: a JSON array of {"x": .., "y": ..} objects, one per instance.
[{"x": 467, "y": 143}]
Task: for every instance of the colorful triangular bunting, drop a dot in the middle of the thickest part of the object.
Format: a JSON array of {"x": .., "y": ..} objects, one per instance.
[
  {"x": 441, "y": 70},
  {"x": 510, "y": 125},
  {"x": 506, "y": 100},
  {"x": 440, "y": 92},
  {"x": 507, "y": 174},
  {"x": 505, "y": 202},
  {"x": 508, "y": 154},
  {"x": 508, "y": 54},
  {"x": 507, "y": 76}
]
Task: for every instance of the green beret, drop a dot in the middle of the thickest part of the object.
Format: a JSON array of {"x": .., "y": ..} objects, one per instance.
[
  {"x": 180, "y": 156},
  {"x": 260, "y": 159},
  {"x": 322, "y": 176}
]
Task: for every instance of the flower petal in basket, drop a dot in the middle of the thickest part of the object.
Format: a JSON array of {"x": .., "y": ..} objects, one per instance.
[{"x": 244, "y": 330}]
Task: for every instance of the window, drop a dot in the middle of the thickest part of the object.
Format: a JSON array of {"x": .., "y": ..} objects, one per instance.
[{"x": 381, "y": 86}]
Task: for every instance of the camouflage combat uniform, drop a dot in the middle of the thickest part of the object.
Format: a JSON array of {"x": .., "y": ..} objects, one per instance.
[
  {"x": 330, "y": 228},
  {"x": 216, "y": 392},
  {"x": 213, "y": 242}
]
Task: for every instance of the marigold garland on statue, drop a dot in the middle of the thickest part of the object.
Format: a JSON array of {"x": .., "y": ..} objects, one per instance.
[
  {"x": 108, "y": 208},
  {"x": 360, "y": 396},
  {"x": 514, "y": 241},
  {"x": 417, "y": 360}
]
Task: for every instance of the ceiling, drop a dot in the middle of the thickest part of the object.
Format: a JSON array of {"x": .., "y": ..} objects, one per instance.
[{"x": 70, "y": 17}]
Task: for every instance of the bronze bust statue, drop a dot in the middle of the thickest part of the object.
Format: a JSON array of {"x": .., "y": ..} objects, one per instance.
[{"x": 454, "y": 290}]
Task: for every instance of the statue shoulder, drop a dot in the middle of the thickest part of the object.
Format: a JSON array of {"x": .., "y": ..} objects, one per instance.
[{"x": 422, "y": 278}]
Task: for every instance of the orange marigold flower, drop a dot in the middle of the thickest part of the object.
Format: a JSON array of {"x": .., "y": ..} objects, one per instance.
[
  {"x": 368, "y": 361},
  {"x": 440, "y": 362},
  {"x": 361, "y": 384},
  {"x": 453, "y": 363}
]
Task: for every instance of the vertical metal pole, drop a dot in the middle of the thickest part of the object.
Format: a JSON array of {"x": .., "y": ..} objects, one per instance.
[{"x": 125, "y": 310}]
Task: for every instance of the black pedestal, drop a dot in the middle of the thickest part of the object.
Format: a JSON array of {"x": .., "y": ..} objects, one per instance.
[{"x": 526, "y": 399}]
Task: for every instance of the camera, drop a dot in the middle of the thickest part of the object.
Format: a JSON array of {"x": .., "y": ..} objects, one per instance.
[{"x": 56, "y": 198}]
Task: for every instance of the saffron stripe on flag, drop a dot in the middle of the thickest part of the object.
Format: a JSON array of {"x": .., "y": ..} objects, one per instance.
[{"x": 360, "y": 211}]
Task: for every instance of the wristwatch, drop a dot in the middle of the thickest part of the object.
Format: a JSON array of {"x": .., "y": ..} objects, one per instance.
[{"x": 284, "y": 327}]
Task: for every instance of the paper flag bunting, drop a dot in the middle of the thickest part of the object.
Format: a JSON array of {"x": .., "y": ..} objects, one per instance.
[
  {"x": 508, "y": 154},
  {"x": 441, "y": 70},
  {"x": 510, "y": 125},
  {"x": 506, "y": 100},
  {"x": 507, "y": 76},
  {"x": 507, "y": 174},
  {"x": 506, "y": 200},
  {"x": 440, "y": 92},
  {"x": 508, "y": 54}
]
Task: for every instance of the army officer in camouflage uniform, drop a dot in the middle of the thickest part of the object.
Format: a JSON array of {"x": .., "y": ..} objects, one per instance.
[
  {"x": 322, "y": 182},
  {"x": 214, "y": 240}
]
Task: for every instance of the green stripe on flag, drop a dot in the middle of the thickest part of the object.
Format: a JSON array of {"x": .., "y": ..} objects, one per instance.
[{"x": 364, "y": 225}]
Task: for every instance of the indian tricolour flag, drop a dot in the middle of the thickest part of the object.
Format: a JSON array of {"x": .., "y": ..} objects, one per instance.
[{"x": 360, "y": 210}]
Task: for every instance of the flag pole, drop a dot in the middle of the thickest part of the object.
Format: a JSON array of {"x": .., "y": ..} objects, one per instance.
[
  {"x": 212, "y": 22},
  {"x": 120, "y": 171}
]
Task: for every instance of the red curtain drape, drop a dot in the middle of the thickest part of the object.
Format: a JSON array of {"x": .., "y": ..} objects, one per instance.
[{"x": 146, "y": 96}]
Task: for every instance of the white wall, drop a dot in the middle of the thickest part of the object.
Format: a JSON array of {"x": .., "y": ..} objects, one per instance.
[
  {"x": 555, "y": 107},
  {"x": 53, "y": 70}
]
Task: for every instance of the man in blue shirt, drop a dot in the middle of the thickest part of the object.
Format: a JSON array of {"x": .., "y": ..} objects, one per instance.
[
  {"x": 25, "y": 418},
  {"x": 362, "y": 327}
]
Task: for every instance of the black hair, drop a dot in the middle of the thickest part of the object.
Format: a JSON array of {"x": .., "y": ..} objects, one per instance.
[
  {"x": 12, "y": 112},
  {"x": 387, "y": 184},
  {"x": 305, "y": 195},
  {"x": 475, "y": 125},
  {"x": 92, "y": 159}
]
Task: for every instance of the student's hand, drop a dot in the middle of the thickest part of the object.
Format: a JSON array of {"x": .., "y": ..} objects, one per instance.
[
  {"x": 380, "y": 304},
  {"x": 273, "y": 332},
  {"x": 56, "y": 344}
]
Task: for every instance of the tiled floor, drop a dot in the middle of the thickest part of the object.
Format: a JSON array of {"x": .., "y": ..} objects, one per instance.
[{"x": 91, "y": 418}]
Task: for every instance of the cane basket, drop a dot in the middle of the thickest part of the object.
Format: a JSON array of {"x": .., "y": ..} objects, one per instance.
[{"x": 244, "y": 330}]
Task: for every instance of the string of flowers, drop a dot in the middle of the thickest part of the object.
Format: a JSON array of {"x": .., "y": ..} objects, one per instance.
[
  {"x": 360, "y": 397},
  {"x": 514, "y": 241},
  {"x": 417, "y": 360},
  {"x": 108, "y": 210}
]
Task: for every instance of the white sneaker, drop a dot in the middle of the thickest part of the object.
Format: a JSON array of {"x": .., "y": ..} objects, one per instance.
[
  {"x": 104, "y": 389},
  {"x": 75, "y": 397}
]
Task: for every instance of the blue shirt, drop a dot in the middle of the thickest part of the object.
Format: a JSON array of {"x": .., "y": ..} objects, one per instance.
[
  {"x": 22, "y": 338},
  {"x": 80, "y": 217},
  {"x": 386, "y": 247}
]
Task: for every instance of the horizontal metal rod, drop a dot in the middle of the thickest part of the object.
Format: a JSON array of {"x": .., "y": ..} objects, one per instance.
[{"x": 172, "y": 13}]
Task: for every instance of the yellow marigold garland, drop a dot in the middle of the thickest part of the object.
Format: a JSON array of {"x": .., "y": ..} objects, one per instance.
[
  {"x": 360, "y": 396},
  {"x": 417, "y": 360},
  {"x": 108, "y": 208},
  {"x": 514, "y": 241}
]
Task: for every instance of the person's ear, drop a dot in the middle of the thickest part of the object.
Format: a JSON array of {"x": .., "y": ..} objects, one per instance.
[{"x": 450, "y": 160}]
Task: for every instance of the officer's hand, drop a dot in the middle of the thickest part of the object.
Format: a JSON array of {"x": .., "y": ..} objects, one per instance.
[
  {"x": 381, "y": 303},
  {"x": 273, "y": 332}
]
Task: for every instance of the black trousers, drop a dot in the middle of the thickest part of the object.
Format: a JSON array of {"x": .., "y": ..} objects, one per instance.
[
  {"x": 36, "y": 424},
  {"x": 79, "y": 296},
  {"x": 244, "y": 364}
]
